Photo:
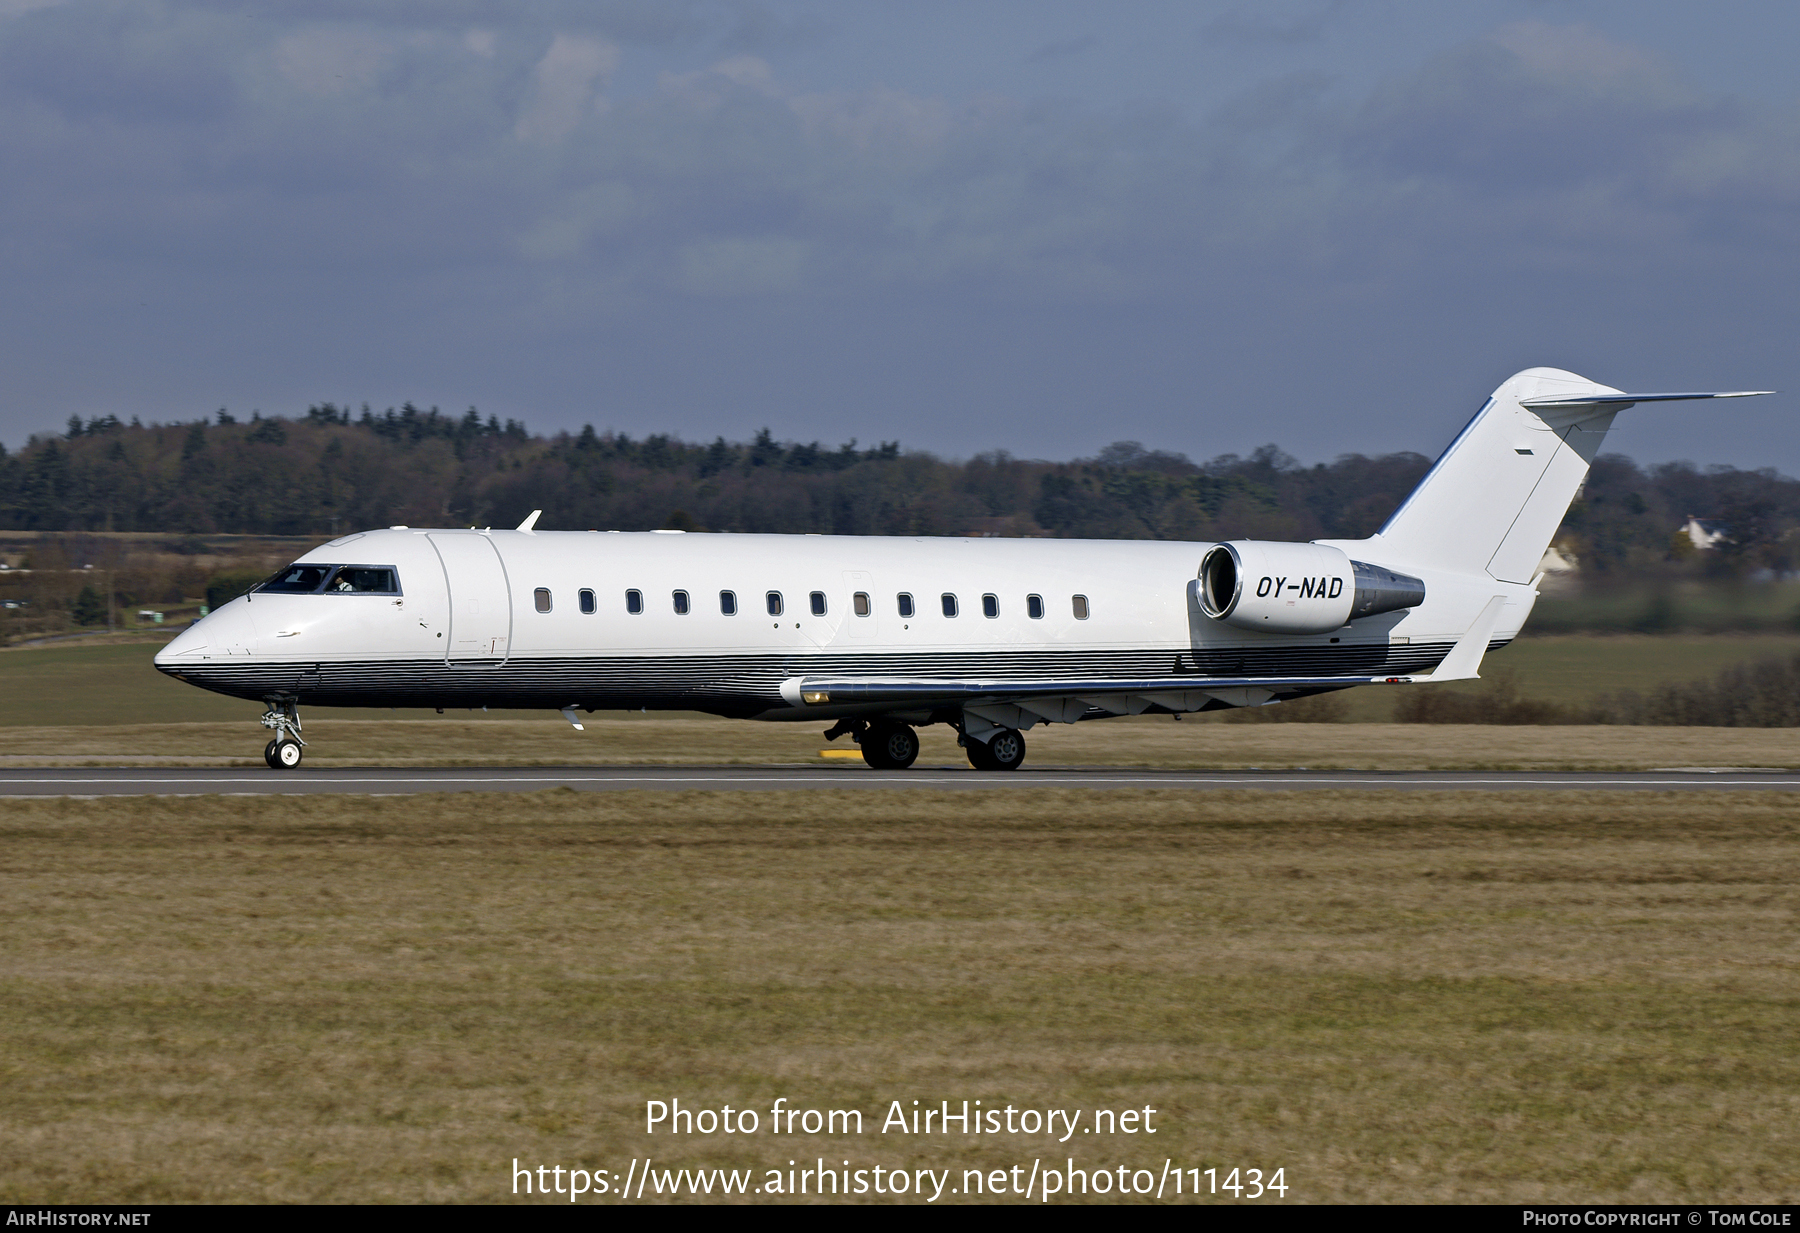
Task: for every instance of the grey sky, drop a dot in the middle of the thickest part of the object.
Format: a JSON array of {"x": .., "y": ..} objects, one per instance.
[{"x": 1036, "y": 226}]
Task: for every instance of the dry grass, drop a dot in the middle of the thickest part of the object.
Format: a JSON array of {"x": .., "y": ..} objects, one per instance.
[
  {"x": 1577, "y": 997},
  {"x": 111, "y": 681},
  {"x": 704, "y": 741}
]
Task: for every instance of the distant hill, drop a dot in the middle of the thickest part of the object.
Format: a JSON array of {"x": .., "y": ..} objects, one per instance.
[{"x": 332, "y": 471}]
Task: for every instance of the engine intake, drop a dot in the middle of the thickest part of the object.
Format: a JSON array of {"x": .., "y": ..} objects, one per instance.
[{"x": 1297, "y": 588}]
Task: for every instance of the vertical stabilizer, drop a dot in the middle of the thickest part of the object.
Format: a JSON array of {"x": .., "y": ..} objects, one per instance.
[{"x": 1496, "y": 496}]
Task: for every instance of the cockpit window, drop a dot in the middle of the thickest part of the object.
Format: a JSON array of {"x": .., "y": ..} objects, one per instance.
[
  {"x": 334, "y": 579},
  {"x": 297, "y": 579},
  {"x": 365, "y": 579}
]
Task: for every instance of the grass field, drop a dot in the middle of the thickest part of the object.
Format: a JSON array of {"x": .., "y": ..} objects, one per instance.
[
  {"x": 103, "y": 682},
  {"x": 1572, "y": 668},
  {"x": 1394, "y": 997},
  {"x": 1695, "y": 605},
  {"x": 704, "y": 741},
  {"x": 105, "y": 704}
]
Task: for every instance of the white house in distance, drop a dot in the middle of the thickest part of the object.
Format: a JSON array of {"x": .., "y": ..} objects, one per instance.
[
  {"x": 1704, "y": 533},
  {"x": 1559, "y": 569}
]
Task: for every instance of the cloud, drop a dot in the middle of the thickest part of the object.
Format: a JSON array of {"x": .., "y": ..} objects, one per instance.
[
  {"x": 1267, "y": 25},
  {"x": 742, "y": 266},
  {"x": 447, "y": 194},
  {"x": 757, "y": 29},
  {"x": 563, "y": 86},
  {"x": 1062, "y": 49},
  {"x": 135, "y": 64},
  {"x": 1568, "y": 145},
  {"x": 395, "y": 143},
  {"x": 332, "y": 61},
  {"x": 595, "y": 211}
]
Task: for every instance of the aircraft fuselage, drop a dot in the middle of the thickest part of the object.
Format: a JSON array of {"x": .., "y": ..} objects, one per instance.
[{"x": 545, "y": 619}]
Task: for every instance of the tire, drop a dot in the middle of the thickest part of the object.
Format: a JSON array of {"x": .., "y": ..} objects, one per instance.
[
  {"x": 1005, "y": 752},
  {"x": 287, "y": 755},
  {"x": 269, "y": 754},
  {"x": 890, "y": 747}
]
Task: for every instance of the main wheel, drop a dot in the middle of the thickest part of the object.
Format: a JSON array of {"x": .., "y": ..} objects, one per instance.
[
  {"x": 890, "y": 747},
  {"x": 287, "y": 754},
  {"x": 269, "y": 754},
  {"x": 1006, "y": 752}
]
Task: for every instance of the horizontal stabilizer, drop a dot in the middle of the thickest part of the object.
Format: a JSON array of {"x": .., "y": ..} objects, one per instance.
[
  {"x": 1622, "y": 400},
  {"x": 1493, "y": 500}
]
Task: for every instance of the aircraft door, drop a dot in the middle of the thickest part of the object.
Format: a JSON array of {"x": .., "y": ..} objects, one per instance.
[
  {"x": 858, "y": 625},
  {"x": 480, "y": 600}
]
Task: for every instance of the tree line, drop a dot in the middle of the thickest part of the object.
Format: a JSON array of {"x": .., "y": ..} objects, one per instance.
[{"x": 331, "y": 471}]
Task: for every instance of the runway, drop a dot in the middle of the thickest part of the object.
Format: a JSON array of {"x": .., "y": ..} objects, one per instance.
[{"x": 20, "y": 782}]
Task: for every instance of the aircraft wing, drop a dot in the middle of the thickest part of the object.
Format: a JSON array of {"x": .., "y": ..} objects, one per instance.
[{"x": 1123, "y": 694}]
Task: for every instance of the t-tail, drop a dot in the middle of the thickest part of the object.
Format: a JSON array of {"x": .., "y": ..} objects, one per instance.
[{"x": 1492, "y": 500}]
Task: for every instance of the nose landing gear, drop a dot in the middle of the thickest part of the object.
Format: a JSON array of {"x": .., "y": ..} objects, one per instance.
[{"x": 284, "y": 752}]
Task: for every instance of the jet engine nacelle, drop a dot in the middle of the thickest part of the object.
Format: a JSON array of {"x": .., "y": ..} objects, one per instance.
[{"x": 1297, "y": 588}]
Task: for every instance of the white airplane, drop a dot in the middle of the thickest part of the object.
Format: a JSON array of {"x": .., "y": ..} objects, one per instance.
[{"x": 883, "y": 635}]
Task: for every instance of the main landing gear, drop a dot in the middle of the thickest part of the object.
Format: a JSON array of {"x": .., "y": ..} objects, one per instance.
[
  {"x": 889, "y": 747},
  {"x": 1004, "y": 752},
  {"x": 886, "y": 745},
  {"x": 283, "y": 716}
]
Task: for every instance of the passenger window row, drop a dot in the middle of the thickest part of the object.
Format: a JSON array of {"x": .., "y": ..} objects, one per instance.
[{"x": 860, "y": 603}]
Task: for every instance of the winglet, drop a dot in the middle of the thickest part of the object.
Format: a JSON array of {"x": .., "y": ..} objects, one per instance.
[
  {"x": 530, "y": 521},
  {"x": 1465, "y": 657}
]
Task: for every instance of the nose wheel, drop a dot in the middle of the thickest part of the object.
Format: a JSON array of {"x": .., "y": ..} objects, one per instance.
[
  {"x": 285, "y": 751},
  {"x": 282, "y": 754}
]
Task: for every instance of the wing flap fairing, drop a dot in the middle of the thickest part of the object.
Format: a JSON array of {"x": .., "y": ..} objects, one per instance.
[{"x": 919, "y": 691}]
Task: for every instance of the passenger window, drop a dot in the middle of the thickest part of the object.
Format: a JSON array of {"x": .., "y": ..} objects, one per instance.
[
  {"x": 728, "y": 602},
  {"x": 906, "y": 604},
  {"x": 774, "y": 598},
  {"x": 859, "y": 603},
  {"x": 681, "y": 603},
  {"x": 990, "y": 606},
  {"x": 587, "y": 602},
  {"x": 1034, "y": 607},
  {"x": 818, "y": 603},
  {"x": 542, "y": 598},
  {"x": 1081, "y": 607},
  {"x": 949, "y": 604},
  {"x": 634, "y": 602}
]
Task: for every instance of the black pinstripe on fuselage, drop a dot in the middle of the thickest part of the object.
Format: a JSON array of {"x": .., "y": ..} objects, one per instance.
[{"x": 749, "y": 684}]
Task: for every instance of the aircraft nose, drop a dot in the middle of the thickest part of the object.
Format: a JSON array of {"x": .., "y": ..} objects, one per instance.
[
  {"x": 183, "y": 646},
  {"x": 229, "y": 631}
]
